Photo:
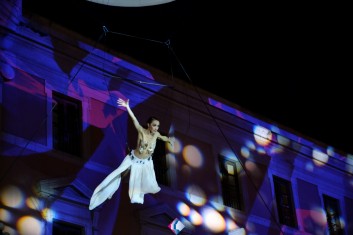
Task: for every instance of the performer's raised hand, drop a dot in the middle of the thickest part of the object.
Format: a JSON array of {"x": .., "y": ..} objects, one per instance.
[
  {"x": 171, "y": 142},
  {"x": 122, "y": 102}
]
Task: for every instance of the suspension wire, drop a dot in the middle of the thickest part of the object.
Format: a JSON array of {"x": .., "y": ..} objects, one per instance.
[
  {"x": 166, "y": 43},
  {"x": 208, "y": 110},
  {"x": 188, "y": 77},
  {"x": 124, "y": 135},
  {"x": 170, "y": 56},
  {"x": 228, "y": 142},
  {"x": 132, "y": 36},
  {"x": 135, "y": 81},
  {"x": 105, "y": 31}
]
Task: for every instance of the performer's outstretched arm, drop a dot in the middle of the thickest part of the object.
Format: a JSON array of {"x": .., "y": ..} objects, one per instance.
[
  {"x": 167, "y": 139},
  {"x": 125, "y": 104}
]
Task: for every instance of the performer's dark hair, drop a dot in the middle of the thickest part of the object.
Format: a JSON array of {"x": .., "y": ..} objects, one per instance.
[{"x": 151, "y": 119}]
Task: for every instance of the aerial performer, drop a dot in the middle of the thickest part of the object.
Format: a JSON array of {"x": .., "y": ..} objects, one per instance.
[{"x": 139, "y": 161}]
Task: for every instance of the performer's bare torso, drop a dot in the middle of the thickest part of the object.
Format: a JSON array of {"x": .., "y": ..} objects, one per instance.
[{"x": 146, "y": 144}]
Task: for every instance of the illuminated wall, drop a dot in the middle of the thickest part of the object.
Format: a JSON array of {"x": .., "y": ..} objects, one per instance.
[{"x": 41, "y": 184}]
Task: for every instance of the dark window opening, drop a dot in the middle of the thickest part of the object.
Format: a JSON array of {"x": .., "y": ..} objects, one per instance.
[
  {"x": 231, "y": 190},
  {"x": 284, "y": 200},
  {"x": 64, "y": 228},
  {"x": 332, "y": 210},
  {"x": 67, "y": 124}
]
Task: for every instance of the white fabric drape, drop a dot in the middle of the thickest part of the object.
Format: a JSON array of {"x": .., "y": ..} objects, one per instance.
[{"x": 142, "y": 181}]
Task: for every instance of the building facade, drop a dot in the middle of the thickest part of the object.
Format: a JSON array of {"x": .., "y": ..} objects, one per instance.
[{"x": 230, "y": 172}]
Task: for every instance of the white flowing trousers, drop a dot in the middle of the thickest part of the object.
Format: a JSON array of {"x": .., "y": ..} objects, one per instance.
[{"x": 142, "y": 181}]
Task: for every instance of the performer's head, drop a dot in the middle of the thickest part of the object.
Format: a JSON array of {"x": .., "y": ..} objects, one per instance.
[{"x": 152, "y": 124}]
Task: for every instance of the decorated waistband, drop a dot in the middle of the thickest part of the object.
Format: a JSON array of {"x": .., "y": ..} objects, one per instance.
[{"x": 139, "y": 160}]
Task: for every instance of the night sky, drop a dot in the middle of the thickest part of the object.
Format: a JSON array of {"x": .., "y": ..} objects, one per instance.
[{"x": 286, "y": 63}]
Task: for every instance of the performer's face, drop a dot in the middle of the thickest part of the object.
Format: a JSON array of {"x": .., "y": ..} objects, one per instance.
[{"x": 153, "y": 126}]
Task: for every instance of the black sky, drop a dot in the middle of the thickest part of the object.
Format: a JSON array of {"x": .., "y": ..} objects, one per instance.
[{"x": 287, "y": 63}]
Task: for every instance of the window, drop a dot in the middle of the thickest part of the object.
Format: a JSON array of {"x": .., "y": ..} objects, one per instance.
[
  {"x": 64, "y": 228},
  {"x": 230, "y": 184},
  {"x": 333, "y": 215},
  {"x": 160, "y": 163},
  {"x": 67, "y": 124},
  {"x": 284, "y": 200}
]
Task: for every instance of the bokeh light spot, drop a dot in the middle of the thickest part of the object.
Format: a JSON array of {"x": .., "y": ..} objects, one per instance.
[
  {"x": 176, "y": 148},
  {"x": 213, "y": 220},
  {"x": 47, "y": 214},
  {"x": 5, "y": 215},
  {"x": 34, "y": 203},
  {"x": 12, "y": 196},
  {"x": 320, "y": 158},
  {"x": 349, "y": 164},
  {"x": 192, "y": 156},
  {"x": 318, "y": 215},
  {"x": 196, "y": 195},
  {"x": 29, "y": 226},
  {"x": 231, "y": 225},
  {"x": 195, "y": 217},
  {"x": 183, "y": 208},
  {"x": 245, "y": 152},
  {"x": 283, "y": 140},
  {"x": 262, "y": 135},
  {"x": 216, "y": 202},
  {"x": 252, "y": 167},
  {"x": 309, "y": 166},
  {"x": 250, "y": 145}
]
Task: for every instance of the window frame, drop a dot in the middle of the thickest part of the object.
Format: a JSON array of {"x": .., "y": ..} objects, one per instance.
[
  {"x": 68, "y": 102},
  {"x": 290, "y": 202},
  {"x": 328, "y": 201},
  {"x": 227, "y": 188}
]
